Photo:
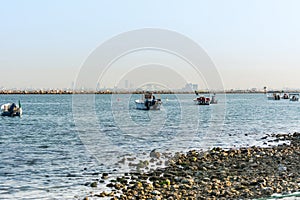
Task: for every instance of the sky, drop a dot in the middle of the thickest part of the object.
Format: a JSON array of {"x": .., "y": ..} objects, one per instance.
[{"x": 44, "y": 44}]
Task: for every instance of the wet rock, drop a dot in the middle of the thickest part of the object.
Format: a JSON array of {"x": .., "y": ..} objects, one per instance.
[
  {"x": 154, "y": 154},
  {"x": 155, "y": 192},
  {"x": 94, "y": 184},
  {"x": 238, "y": 173}
]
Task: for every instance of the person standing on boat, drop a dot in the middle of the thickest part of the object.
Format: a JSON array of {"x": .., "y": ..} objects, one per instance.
[
  {"x": 153, "y": 100},
  {"x": 12, "y": 108}
]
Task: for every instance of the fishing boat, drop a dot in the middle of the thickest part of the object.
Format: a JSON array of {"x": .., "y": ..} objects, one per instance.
[
  {"x": 294, "y": 97},
  {"x": 11, "y": 110},
  {"x": 274, "y": 96},
  {"x": 285, "y": 96},
  {"x": 148, "y": 102},
  {"x": 202, "y": 100}
]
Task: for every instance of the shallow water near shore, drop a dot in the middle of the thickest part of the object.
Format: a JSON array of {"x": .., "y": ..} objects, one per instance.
[{"x": 45, "y": 155}]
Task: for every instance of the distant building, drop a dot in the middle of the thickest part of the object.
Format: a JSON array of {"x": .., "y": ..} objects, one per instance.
[
  {"x": 131, "y": 85},
  {"x": 195, "y": 86},
  {"x": 126, "y": 84},
  {"x": 190, "y": 87}
]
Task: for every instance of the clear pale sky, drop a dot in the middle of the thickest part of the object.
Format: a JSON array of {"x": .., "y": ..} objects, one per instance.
[{"x": 252, "y": 43}]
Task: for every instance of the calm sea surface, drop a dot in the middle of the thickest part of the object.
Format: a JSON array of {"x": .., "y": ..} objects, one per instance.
[{"x": 62, "y": 142}]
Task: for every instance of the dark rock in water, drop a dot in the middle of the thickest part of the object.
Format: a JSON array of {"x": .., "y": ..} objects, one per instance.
[
  {"x": 154, "y": 154},
  {"x": 94, "y": 184},
  {"x": 110, "y": 185},
  {"x": 105, "y": 174},
  {"x": 296, "y": 135}
]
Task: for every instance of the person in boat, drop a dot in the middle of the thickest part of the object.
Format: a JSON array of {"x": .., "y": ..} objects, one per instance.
[
  {"x": 147, "y": 104},
  {"x": 153, "y": 100},
  {"x": 202, "y": 100},
  {"x": 6, "y": 108},
  {"x": 12, "y": 108}
]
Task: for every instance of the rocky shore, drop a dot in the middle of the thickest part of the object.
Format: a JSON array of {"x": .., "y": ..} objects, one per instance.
[
  {"x": 70, "y": 91},
  {"x": 124, "y": 91},
  {"x": 241, "y": 173}
]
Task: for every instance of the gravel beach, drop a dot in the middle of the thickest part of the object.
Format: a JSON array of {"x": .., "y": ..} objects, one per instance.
[{"x": 240, "y": 173}]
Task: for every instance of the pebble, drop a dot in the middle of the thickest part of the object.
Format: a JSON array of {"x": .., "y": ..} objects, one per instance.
[{"x": 239, "y": 173}]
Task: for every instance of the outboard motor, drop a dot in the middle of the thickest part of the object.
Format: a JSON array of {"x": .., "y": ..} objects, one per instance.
[
  {"x": 11, "y": 108},
  {"x": 147, "y": 104}
]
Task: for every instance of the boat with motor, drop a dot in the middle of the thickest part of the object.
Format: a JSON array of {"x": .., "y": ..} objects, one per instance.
[
  {"x": 274, "y": 96},
  {"x": 285, "y": 96},
  {"x": 11, "y": 110},
  {"x": 294, "y": 97},
  {"x": 202, "y": 100},
  {"x": 148, "y": 102}
]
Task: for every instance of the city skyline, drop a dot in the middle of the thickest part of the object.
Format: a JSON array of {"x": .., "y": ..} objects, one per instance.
[{"x": 252, "y": 44}]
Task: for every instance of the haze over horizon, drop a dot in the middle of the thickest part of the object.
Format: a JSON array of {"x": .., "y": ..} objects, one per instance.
[{"x": 252, "y": 43}]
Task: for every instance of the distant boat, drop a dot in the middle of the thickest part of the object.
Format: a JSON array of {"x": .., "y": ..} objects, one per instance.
[
  {"x": 294, "y": 97},
  {"x": 274, "y": 96},
  {"x": 285, "y": 96},
  {"x": 148, "y": 102},
  {"x": 202, "y": 100},
  {"x": 11, "y": 110}
]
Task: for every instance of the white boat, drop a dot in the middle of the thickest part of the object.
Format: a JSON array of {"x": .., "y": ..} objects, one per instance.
[
  {"x": 285, "y": 96},
  {"x": 202, "y": 100},
  {"x": 274, "y": 96},
  {"x": 11, "y": 110},
  {"x": 148, "y": 102},
  {"x": 294, "y": 97}
]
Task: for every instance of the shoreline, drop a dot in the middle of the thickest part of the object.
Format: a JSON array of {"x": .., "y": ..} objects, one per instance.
[
  {"x": 70, "y": 91},
  {"x": 240, "y": 173}
]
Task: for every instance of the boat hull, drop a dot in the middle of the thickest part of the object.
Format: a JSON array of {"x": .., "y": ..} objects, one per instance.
[
  {"x": 202, "y": 101},
  {"x": 148, "y": 105},
  {"x": 8, "y": 114},
  {"x": 294, "y": 97},
  {"x": 7, "y": 111},
  {"x": 274, "y": 96}
]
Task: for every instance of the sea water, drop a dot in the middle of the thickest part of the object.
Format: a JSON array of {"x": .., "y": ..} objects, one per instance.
[{"x": 62, "y": 142}]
